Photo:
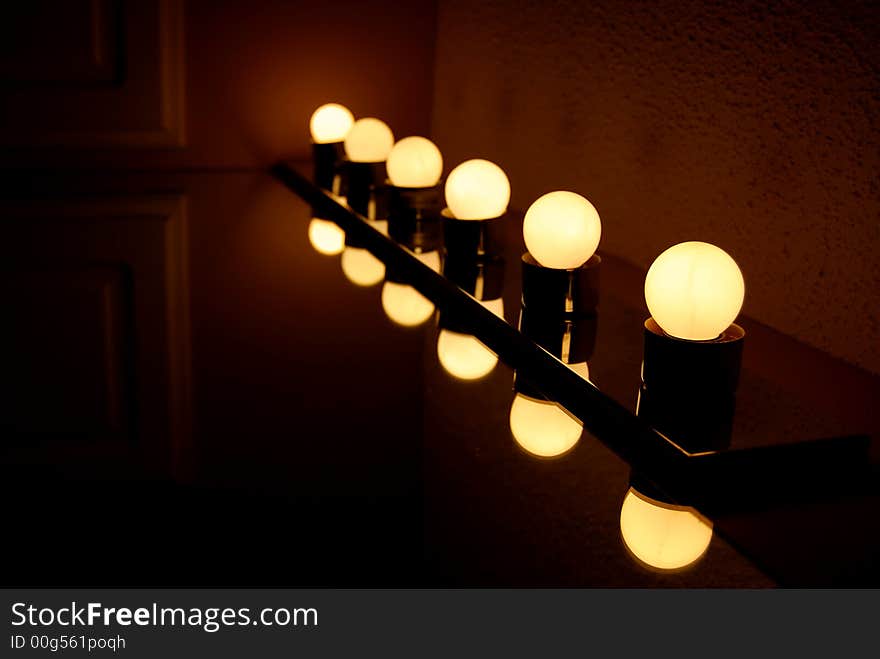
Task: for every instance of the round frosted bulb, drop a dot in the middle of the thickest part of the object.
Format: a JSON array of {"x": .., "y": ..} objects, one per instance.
[
  {"x": 330, "y": 123},
  {"x": 415, "y": 162},
  {"x": 326, "y": 237},
  {"x": 562, "y": 230},
  {"x": 464, "y": 356},
  {"x": 403, "y": 304},
  {"x": 477, "y": 190},
  {"x": 362, "y": 268},
  {"x": 369, "y": 140},
  {"x": 661, "y": 535},
  {"x": 694, "y": 291},
  {"x": 543, "y": 428}
]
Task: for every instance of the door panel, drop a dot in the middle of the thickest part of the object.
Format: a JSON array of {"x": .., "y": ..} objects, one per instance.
[
  {"x": 97, "y": 349},
  {"x": 95, "y": 74},
  {"x": 65, "y": 356}
]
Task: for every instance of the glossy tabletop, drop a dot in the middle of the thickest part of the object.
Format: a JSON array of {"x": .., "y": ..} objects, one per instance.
[{"x": 334, "y": 446}]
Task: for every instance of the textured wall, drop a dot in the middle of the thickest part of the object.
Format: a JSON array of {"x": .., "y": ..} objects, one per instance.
[{"x": 750, "y": 127}]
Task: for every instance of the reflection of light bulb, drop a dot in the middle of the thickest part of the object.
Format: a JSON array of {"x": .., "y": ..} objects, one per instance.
[
  {"x": 330, "y": 123},
  {"x": 661, "y": 535},
  {"x": 326, "y": 237},
  {"x": 463, "y": 355},
  {"x": 543, "y": 428},
  {"x": 369, "y": 140},
  {"x": 477, "y": 190},
  {"x": 694, "y": 291},
  {"x": 403, "y": 304},
  {"x": 414, "y": 162},
  {"x": 362, "y": 268},
  {"x": 562, "y": 230}
]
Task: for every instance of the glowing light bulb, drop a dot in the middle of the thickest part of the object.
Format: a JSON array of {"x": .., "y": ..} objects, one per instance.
[
  {"x": 369, "y": 140},
  {"x": 415, "y": 162},
  {"x": 477, "y": 190},
  {"x": 543, "y": 428},
  {"x": 661, "y": 535},
  {"x": 326, "y": 237},
  {"x": 330, "y": 123},
  {"x": 403, "y": 304},
  {"x": 464, "y": 356},
  {"x": 362, "y": 268},
  {"x": 562, "y": 230},
  {"x": 694, "y": 291}
]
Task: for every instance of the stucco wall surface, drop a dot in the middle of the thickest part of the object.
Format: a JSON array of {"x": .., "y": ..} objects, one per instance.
[{"x": 751, "y": 126}]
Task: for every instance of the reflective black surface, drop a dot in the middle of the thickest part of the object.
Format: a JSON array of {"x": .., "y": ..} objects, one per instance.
[
  {"x": 333, "y": 446},
  {"x": 758, "y": 468}
]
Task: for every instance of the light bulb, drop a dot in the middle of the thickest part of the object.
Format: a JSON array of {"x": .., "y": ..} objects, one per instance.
[
  {"x": 477, "y": 190},
  {"x": 463, "y": 355},
  {"x": 369, "y": 140},
  {"x": 694, "y": 291},
  {"x": 330, "y": 123},
  {"x": 362, "y": 268},
  {"x": 562, "y": 230},
  {"x": 415, "y": 162},
  {"x": 326, "y": 237},
  {"x": 661, "y": 535},
  {"x": 543, "y": 428},
  {"x": 403, "y": 304}
]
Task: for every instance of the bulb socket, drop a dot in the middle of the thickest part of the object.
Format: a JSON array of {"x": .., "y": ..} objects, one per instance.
[
  {"x": 692, "y": 368},
  {"x": 475, "y": 239},
  {"x": 365, "y": 189},
  {"x": 417, "y": 202},
  {"x": 688, "y": 390},
  {"x": 414, "y": 217},
  {"x": 483, "y": 278},
  {"x": 326, "y": 158},
  {"x": 570, "y": 340},
  {"x": 553, "y": 292}
]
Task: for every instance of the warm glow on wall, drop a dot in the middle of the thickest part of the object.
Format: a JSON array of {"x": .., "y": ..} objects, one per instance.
[
  {"x": 330, "y": 123},
  {"x": 415, "y": 162},
  {"x": 543, "y": 428},
  {"x": 326, "y": 237},
  {"x": 362, "y": 268},
  {"x": 661, "y": 535},
  {"x": 477, "y": 190},
  {"x": 562, "y": 230},
  {"x": 369, "y": 140},
  {"x": 694, "y": 291}
]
